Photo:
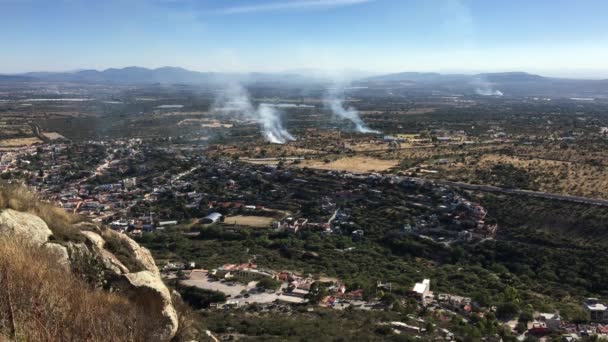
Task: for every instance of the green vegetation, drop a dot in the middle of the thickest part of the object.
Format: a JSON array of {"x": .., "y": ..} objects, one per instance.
[
  {"x": 507, "y": 176},
  {"x": 302, "y": 325},
  {"x": 548, "y": 255},
  {"x": 200, "y": 298},
  {"x": 269, "y": 283}
]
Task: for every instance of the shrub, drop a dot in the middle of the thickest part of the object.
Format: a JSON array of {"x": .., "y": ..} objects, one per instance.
[
  {"x": 269, "y": 283},
  {"x": 200, "y": 298}
]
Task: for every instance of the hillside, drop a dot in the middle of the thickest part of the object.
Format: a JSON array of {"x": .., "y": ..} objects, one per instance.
[{"x": 63, "y": 279}]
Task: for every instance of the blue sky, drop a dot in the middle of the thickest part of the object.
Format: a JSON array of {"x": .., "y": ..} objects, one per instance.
[{"x": 553, "y": 37}]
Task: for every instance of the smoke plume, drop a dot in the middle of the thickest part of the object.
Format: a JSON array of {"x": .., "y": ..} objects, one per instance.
[
  {"x": 485, "y": 88},
  {"x": 335, "y": 101},
  {"x": 235, "y": 100}
]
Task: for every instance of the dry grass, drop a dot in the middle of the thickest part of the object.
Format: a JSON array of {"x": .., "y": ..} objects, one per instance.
[
  {"x": 60, "y": 222},
  {"x": 39, "y": 301},
  {"x": 251, "y": 221},
  {"x": 553, "y": 176},
  {"x": 354, "y": 164},
  {"x": 19, "y": 142}
]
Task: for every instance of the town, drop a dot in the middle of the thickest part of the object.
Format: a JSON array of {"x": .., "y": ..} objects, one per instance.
[{"x": 425, "y": 226}]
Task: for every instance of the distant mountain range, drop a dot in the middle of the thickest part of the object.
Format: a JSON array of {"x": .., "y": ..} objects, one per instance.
[
  {"x": 164, "y": 75},
  {"x": 436, "y": 77},
  {"x": 504, "y": 83},
  {"x": 507, "y": 83}
]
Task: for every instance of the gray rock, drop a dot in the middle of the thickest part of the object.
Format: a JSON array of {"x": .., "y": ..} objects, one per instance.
[
  {"x": 61, "y": 252},
  {"x": 25, "y": 226},
  {"x": 147, "y": 289},
  {"x": 109, "y": 260}
]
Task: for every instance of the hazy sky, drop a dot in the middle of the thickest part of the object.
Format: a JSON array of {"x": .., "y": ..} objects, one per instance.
[{"x": 553, "y": 37}]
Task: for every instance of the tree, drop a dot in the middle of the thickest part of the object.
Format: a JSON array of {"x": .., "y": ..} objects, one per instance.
[
  {"x": 430, "y": 327},
  {"x": 507, "y": 310},
  {"x": 526, "y": 316},
  {"x": 269, "y": 283}
]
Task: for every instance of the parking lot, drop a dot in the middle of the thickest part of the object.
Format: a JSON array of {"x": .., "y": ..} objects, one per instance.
[{"x": 243, "y": 294}]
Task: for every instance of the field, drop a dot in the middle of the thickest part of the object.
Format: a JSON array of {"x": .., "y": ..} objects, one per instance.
[
  {"x": 353, "y": 164},
  {"x": 53, "y": 135},
  {"x": 554, "y": 176},
  {"x": 251, "y": 221},
  {"x": 19, "y": 142}
]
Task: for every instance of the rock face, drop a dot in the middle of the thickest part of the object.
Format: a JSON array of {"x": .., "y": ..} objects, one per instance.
[
  {"x": 61, "y": 252},
  {"x": 149, "y": 291},
  {"x": 109, "y": 260},
  {"x": 142, "y": 254},
  {"x": 23, "y": 225},
  {"x": 145, "y": 288}
]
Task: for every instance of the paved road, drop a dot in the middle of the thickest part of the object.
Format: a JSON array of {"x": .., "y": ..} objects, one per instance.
[{"x": 490, "y": 188}]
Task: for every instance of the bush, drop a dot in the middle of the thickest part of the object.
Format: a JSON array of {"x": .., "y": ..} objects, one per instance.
[
  {"x": 269, "y": 283},
  {"x": 507, "y": 310},
  {"x": 199, "y": 298}
]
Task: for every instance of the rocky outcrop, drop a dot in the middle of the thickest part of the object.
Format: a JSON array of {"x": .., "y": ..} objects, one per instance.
[
  {"x": 145, "y": 288},
  {"x": 142, "y": 254},
  {"x": 24, "y": 226},
  {"x": 148, "y": 290},
  {"x": 61, "y": 253},
  {"x": 109, "y": 260}
]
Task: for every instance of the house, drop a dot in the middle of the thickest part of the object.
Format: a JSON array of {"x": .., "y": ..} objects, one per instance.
[
  {"x": 357, "y": 235},
  {"x": 167, "y": 223},
  {"x": 406, "y": 327},
  {"x": 290, "y": 224},
  {"x": 597, "y": 311},
  {"x": 423, "y": 291},
  {"x": 212, "y": 218},
  {"x": 539, "y": 329},
  {"x": 552, "y": 320}
]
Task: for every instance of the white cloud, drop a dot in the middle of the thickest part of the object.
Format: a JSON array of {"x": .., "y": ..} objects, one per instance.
[{"x": 288, "y": 5}]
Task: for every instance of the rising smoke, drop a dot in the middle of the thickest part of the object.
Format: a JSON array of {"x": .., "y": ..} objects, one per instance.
[
  {"x": 485, "y": 88},
  {"x": 235, "y": 100},
  {"x": 334, "y": 99}
]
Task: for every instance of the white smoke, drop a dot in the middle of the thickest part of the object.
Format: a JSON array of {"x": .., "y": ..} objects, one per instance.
[
  {"x": 485, "y": 88},
  {"x": 488, "y": 92},
  {"x": 335, "y": 102},
  {"x": 235, "y": 99},
  {"x": 272, "y": 127}
]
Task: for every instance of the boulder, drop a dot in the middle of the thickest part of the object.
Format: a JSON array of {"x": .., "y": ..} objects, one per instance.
[
  {"x": 142, "y": 254},
  {"x": 25, "y": 226},
  {"x": 90, "y": 226},
  {"x": 148, "y": 290},
  {"x": 109, "y": 260},
  {"x": 61, "y": 252}
]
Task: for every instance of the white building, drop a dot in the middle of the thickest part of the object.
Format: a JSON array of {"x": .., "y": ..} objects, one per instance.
[
  {"x": 598, "y": 312},
  {"x": 423, "y": 290}
]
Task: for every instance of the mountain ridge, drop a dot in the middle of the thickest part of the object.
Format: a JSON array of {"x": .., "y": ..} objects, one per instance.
[{"x": 174, "y": 74}]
